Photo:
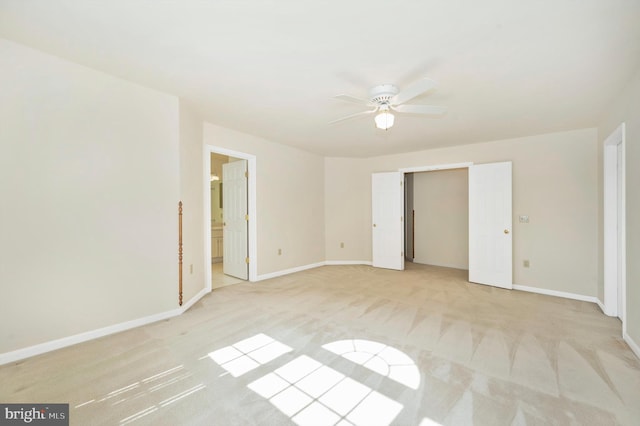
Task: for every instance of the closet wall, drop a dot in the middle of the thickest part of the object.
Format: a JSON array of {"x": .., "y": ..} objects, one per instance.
[{"x": 441, "y": 204}]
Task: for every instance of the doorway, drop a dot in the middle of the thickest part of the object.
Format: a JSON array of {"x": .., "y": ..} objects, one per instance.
[
  {"x": 229, "y": 207},
  {"x": 437, "y": 205},
  {"x": 615, "y": 226}
]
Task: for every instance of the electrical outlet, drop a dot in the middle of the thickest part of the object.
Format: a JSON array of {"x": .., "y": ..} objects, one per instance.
[
  {"x": 523, "y": 219},
  {"x": 341, "y": 245},
  {"x": 525, "y": 263},
  {"x": 279, "y": 252}
]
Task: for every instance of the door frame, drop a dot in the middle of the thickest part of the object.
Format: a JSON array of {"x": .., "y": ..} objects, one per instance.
[
  {"x": 614, "y": 208},
  {"x": 437, "y": 167},
  {"x": 419, "y": 169},
  {"x": 252, "y": 197}
]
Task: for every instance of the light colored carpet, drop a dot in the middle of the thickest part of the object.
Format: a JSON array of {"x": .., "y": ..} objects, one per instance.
[{"x": 350, "y": 344}]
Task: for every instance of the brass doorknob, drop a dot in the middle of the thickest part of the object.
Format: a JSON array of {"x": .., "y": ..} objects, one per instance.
[
  {"x": 506, "y": 231},
  {"x": 374, "y": 225}
]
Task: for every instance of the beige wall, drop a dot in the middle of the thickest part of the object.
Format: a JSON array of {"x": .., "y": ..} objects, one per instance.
[
  {"x": 290, "y": 199},
  {"x": 89, "y": 180},
  {"x": 554, "y": 182},
  {"x": 626, "y": 108},
  {"x": 191, "y": 195},
  {"x": 347, "y": 209},
  {"x": 441, "y": 204}
]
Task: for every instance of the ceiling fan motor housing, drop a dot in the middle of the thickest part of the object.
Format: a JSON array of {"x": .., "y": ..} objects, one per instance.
[{"x": 382, "y": 94}]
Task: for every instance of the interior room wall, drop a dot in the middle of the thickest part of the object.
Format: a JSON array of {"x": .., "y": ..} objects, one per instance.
[
  {"x": 554, "y": 183},
  {"x": 347, "y": 209},
  {"x": 290, "y": 199},
  {"x": 626, "y": 108},
  {"x": 90, "y": 185},
  {"x": 191, "y": 194},
  {"x": 441, "y": 204}
]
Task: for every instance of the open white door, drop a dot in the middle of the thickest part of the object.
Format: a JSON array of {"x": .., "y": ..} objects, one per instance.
[
  {"x": 490, "y": 225},
  {"x": 387, "y": 195},
  {"x": 234, "y": 211}
]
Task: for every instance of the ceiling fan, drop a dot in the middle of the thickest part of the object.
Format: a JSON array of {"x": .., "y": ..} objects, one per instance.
[{"x": 387, "y": 99}]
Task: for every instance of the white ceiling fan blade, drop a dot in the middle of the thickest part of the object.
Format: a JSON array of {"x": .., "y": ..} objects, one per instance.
[
  {"x": 420, "y": 109},
  {"x": 352, "y": 99},
  {"x": 356, "y": 115},
  {"x": 415, "y": 89}
]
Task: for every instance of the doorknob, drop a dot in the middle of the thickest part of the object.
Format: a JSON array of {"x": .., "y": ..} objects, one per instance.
[
  {"x": 506, "y": 231},
  {"x": 374, "y": 225}
]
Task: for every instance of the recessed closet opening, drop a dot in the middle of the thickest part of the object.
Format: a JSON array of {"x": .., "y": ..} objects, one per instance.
[{"x": 437, "y": 212}]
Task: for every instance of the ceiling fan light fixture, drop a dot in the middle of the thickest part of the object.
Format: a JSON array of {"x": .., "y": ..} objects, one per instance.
[
  {"x": 387, "y": 100},
  {"x": 384, "y": 120}
]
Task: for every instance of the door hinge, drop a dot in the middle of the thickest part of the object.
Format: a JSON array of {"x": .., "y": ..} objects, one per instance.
[
  {"x": 246, "y": 174},
  {"x": 246, "y": 217},
  {"x": 401, "y": 218},
  {"x": 401, "y": 253},
  {"x": 246, "y": 260}
]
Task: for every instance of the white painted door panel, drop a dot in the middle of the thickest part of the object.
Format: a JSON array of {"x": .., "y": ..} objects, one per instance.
[
  {"x": 490, "y": 225},
  {"x": 620, "y": 228},
  {"x": 387, "y": 205},
  {"x": 234, "y": 212}
]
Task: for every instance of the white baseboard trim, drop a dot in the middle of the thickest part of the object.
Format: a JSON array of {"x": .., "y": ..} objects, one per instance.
[
  {"x": 556, "y": 293},
  {"x": 347, "y": 262},
  {"x": 311, "y": 266},
  {"x": 632, "y": 344},
  {"x": 288, "y": 271},
  {"x": 601, "y": 306},
  {"x": 195, "y": 299},
  {"x": 53, "y": 345}
]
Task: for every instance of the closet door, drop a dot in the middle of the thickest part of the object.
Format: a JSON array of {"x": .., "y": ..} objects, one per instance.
[
  {"x": 490, "y": 225},
  {"x": 387, "y": 205}
]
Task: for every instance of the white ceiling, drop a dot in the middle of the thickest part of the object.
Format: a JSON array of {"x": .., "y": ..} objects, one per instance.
[{"x": 505, "y": 68}]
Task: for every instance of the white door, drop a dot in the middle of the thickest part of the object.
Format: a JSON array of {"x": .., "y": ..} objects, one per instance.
[
  {"x": 620, "y": 228},
  {"x": 387, "y": 204},
  {"x": 234, "y": 212},
  {"x": 490, "y": 225}
]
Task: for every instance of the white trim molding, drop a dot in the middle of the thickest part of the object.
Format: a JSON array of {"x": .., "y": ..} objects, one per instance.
[
  {"x": 311, "y": 266},
  {"x": 52, "y": 345},
  {"x": 289, "y": 271},
  {"x": 632, "y": 344},
  {"x": 436, "y": 167},
  {"x": 614, "y": 250},
  {"x": 195, "y": 299},
  {"x": 555, "y": 293},
  {"x": 63, "y": 342}
]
